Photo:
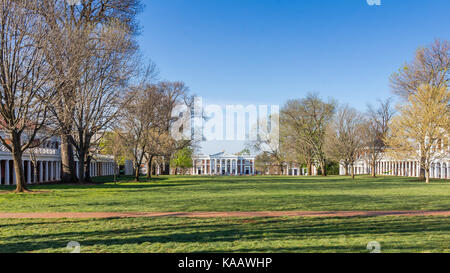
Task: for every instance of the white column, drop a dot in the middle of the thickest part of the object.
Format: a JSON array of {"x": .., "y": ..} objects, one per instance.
[
  {"x": 210, "y": 167},
  {"x": 443, "y": 170},
  {"x": 46, "y": 171},
  {"x": 253, "y": 167},
  {"x": 50, "y": 171},
  {"x": 448, "y": 170},
  {"x": 41, "y": 171},
  {"x": 226, "y": 166},
  {"x": 235, "y": 167},
  {"x": 242, "y": 166},
  {"x": 7, "y": 178},
  {"x": 28, "y": 172}
]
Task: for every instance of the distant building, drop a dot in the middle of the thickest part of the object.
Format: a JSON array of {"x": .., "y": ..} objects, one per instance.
[
  {"x": 48, "y": 164},
  {"x": 389, "y": 166},
  {"x": 223, "y": 164}
]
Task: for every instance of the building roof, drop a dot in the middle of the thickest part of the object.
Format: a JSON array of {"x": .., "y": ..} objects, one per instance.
[{"x": 224, "y": 154}]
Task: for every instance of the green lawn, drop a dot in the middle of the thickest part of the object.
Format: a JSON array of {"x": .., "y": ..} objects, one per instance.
[
  {"x": 258, "y": 193},
  {"x": 286, "y": 234},
  {"x": 395, "y": 234}
]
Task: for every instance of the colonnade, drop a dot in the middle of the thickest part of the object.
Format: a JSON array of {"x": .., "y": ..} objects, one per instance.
[
  {"x": 98, "y": 168},
  {"x": 46, "y": 171},
  {"x": 220, "y": 166},
  {"x": 439, "y": 169}
]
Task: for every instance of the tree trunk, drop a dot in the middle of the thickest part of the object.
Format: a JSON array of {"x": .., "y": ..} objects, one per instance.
[
  {"x": 87, "y": 173},
  {"x": 136, "y": 172},
  {"x": 18, "y": 170},
  {"x": 149, "y": 167},
  {"x": 115, "y": 169},
  {"x": 346, "y": 169},
  {"x": 35, "y": 172},
  {"x": 427, "y": 176},
  {"x": 309, "y": 168},
  {"x": 353, "y": 171},
  {"x": 68, "y": 174},
  {"x": 422, "y": 175},
  {"x": 324, "y": 168},
  {"x": 374, "y": 170},
  {"x": 81, "y": 169}
]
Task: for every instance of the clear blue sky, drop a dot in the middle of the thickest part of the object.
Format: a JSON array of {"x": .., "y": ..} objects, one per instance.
[{"x": 267, "y": 51}]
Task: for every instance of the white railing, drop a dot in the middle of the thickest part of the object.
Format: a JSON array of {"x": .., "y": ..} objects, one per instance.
[{"x": 38, "y": 151}]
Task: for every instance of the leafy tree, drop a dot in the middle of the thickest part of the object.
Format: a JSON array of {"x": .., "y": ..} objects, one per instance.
[
  {"x": 182, "y": 159},
  {"x": 422, "y": 129},
  {"x": 431, "y": 65},
  {"x": 112, "y": 144}
]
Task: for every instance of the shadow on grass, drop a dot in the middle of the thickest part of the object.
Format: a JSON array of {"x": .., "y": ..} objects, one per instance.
[{"x": 112, "y": 232}]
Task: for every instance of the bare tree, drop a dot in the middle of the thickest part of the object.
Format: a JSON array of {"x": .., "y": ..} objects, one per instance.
[
  {"x": 430, "y": 66},
  {"x": 268, "y": 142},
  {"x": 139, "y": 116},
  {"x": 71, "y": 24},
  {"x": 293, "y": 145},
  {"x": 163, "y": 142},
  {"x": 309, "y": 119},
  {"x": 104, "y": 77},
  {"x": 375, "y": 131},
  {"x": 24, "y": 74},
  {"x": 344, "y": 140}
]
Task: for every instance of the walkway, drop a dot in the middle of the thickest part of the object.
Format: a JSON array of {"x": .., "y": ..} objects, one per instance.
[{"x": 53, "y": 215}]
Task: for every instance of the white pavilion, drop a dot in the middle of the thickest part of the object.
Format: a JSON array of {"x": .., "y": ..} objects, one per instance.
[{"x": 224, "y": 164}]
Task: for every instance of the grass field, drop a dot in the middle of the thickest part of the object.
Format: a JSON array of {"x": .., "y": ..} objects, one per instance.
[
  {"x": 395, "y": 234},
  {"x": 237, "y": 194},
  {"x": 284, "y": 234}
]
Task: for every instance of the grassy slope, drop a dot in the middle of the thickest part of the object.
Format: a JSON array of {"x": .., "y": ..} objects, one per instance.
[
  {"x": 395, "y": 234},
  {"x": 237, "y": 194}
]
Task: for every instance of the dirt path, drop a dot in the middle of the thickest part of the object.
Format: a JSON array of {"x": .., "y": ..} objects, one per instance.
[{"x": 52, "y": 215}]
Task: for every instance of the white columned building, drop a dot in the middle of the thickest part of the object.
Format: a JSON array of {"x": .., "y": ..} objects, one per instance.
[
  {"x": 44, "y": 165},
  {"x": 439, "y": 169},
  {"x": 223, "y": 164}
]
